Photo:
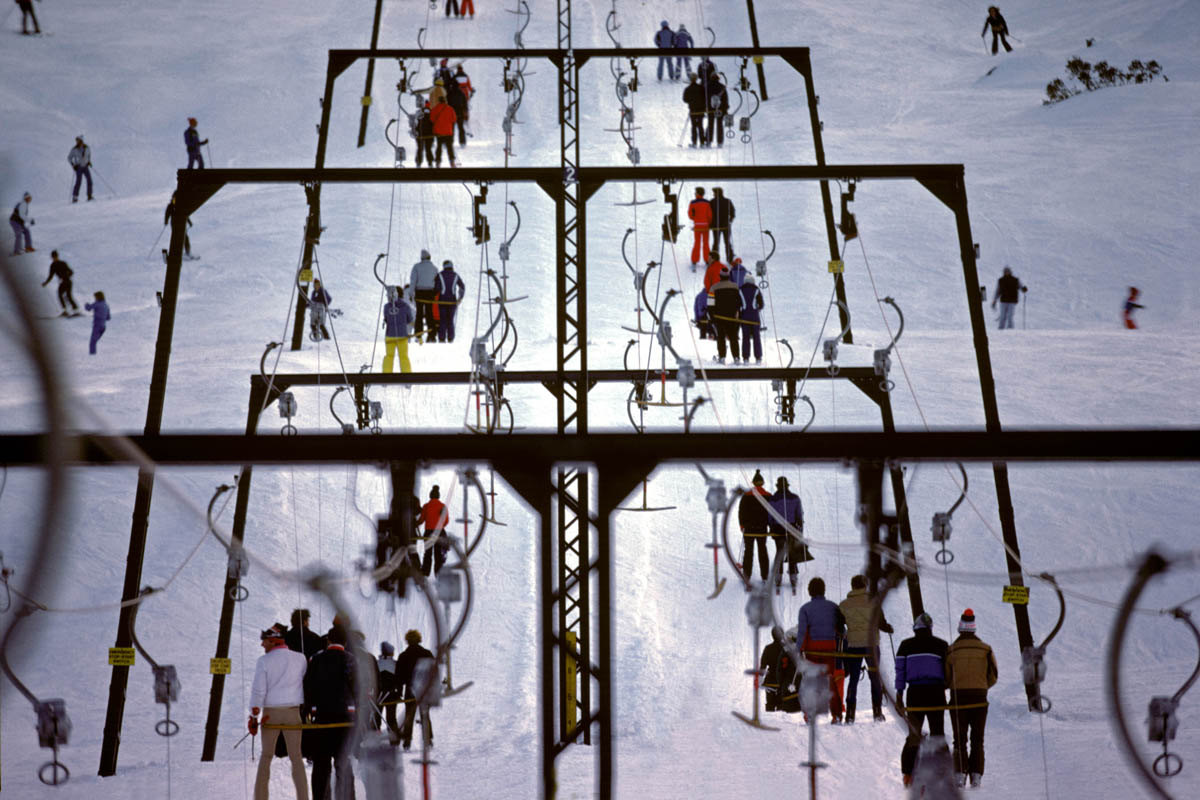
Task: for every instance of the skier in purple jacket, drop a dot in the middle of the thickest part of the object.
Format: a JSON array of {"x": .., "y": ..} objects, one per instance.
[
  {"x": 752, "y": 303},
  {"x": 921, "y": 667},
  {"x": 100, "y": 318}
]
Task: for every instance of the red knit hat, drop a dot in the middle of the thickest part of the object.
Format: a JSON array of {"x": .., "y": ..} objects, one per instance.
[{"x": 966, "y": 624}]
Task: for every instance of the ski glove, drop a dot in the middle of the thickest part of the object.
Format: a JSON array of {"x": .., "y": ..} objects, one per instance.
[{"x": 252, "y": 725}]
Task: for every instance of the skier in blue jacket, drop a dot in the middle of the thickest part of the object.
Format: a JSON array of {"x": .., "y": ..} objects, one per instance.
[
  {"x": 921, "y": 667},
  {"x": 100, "y": 318},
  {"x": 700, "y": 307},
  {"x": 683, "y": 41},
  {"x": 820, "y": 629},
  {"x": 752, "y": 303},
  {"x": 787, "y": 510},
  {"x": 450, "y": 292},
  {"x": 191, "y": 139},
  {"x": 665, "y": 40},
  {"x": 398, "y": 318}
]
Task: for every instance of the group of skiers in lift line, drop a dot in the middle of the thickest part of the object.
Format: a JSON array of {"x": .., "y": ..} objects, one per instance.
[
  {"x": 306, "y": 679},
  {"x": 835, "y": 638},
  {"x": 304, "y": 696}
]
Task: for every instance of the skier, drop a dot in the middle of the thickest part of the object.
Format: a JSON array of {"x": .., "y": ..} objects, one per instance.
[
  {"x": 700, "y": 213},
  {"x": 970, "y": 672},
  {"x": 683, "y": 41},
  {"x": 706, "y": 70},
  {"x": 443, "y": 73},
  {"x": 318, "y": 306},
  {"x": 921, "y": 666},
  {"x": 398, "y": 317},
  {"x": 389, "y": 690},
  {"x": 452, "y": 5},
  {"x": 17, "y": 221},
  {"x": 738, "y": 273},
  {"x": 1131, "y": 305},
  {"x": 722, "y": 223},
  {"x": 434, "y": 517},
  {"x": 700, "y": 309},
  {"x": 329, "y": 686},
  {"x": 696, "y": 102},
  {"x": 60, "y": 270},
  {"x": 299, "y": 638},
  {"x": 752, "y": 518},
  {"x": 457, "y": 100},
  {"x": 424, "y": 135},
  {"x": 726, "y": 305},
  {"x": 463, "y": 7},
  {"x": 443, "y": 118},
  {"x": 787, "y": 511},
  {"x": 819, "y": 629},
  {"x": 856, "y": 608},
  {"x": 1008, "y": 290},
  {"x": 772, "y": 656},
  {"x": 999, "y": 27},
  {"x": 278, "y": 692},
  {"x": 423, "y": 280},
  {"x": 717, "y": 101},
  {"x": 664, "y": 39},
  {"x": 464, "y": 84},
  {"x": 450, "y": 291},
  {"x": 712, "y": 272},
  {"x": 168, "y": 215},
  {"x": 100, "y": 318},
  {"x": 413, "y": 687},
  {"x": 26, "y": 7},
  {"x": 191, "y": 138},
  {"x": 437, "y": 93},
  {"x": 80, "y": 159},
  {"x": 752, "y": 303}
]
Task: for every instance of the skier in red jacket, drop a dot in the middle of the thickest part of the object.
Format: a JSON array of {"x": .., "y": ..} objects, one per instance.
[
  {"x": 443, "y": 118},
  {"x": 700, "y": 213}
]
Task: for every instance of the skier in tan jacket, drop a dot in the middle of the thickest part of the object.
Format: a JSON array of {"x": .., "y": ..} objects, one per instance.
[{"x": 970, "y": 672}]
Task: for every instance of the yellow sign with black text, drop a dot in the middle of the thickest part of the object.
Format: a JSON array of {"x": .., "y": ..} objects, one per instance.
[
  {"x": 1018, "y": 595},
  {"x": 120, "y": 656},
  {"x": 219, "y": 666}
]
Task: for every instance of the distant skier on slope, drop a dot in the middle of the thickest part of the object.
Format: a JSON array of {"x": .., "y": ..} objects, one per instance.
[
  {"x": 193, "y": 142},
  {"x": 60, "y": 270},
  {"x": 20, "y": 229},
  {"x": 80, "y": 159},
  {"x": 168, "y": 215},
  {"x": 1131, "y": 305},
  {"x": 318, "y": 306},
  {"x": 995, "y": 20},
  {"x": 100, "y": 318},
  {"x": 664, "y": 39},
  {"x": 1008, "y": 294},
  {"x": 434, "y": 517},
  {"x": 26, "y": 7}
]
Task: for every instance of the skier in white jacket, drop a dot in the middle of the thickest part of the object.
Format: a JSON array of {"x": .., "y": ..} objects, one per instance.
[{"x": 278, "y": 692}]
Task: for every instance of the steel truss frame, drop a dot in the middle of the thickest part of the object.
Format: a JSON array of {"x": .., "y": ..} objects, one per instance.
[{"x": 572, "y": 378}]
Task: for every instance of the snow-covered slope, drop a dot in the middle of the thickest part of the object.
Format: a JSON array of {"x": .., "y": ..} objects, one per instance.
[{"x": 1082, "y": 199}]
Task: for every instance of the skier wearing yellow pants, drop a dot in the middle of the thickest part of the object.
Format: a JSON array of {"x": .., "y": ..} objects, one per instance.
[{"x": 398, "y": 318}]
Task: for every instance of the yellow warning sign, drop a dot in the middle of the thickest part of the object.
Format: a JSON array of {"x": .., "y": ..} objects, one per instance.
[
  {"x": 366, "y": 99},
  {"x": 306, "y": 275},
  {"x": 836, "y": 266},
  {"x": 1016, "y": 594},
  {"x": 757, "y": 59},
  {"x": 219, "y": 666},
  {"x": 120, "y": 656}
]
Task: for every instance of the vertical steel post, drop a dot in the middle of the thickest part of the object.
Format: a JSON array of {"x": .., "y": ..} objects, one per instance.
[
  {"x": 899, "y": 496},
  {"x": 366, "y": 98},
  {"x": 762, "y": 78}
]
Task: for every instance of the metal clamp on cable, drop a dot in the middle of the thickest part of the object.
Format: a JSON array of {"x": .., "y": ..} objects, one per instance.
[
  {"x": 1033, "y": 673},
  {"x": 166, "y": 691},
  {"x": 715, "y": 498},
  {"x": 288, "y": 409},
  {"x": 54, "y": 730},
  {"x": 238, "y": 568}
]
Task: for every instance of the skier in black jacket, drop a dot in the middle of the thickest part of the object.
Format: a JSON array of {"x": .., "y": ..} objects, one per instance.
[
  {"x": 921, "y": 668},
  {"x": 722, "y": 222},
  {"x": 752, "y": 517},
  {"x": 59, "y": 269},
  {"x": 329, "y": 685},
  {"x": 1008, "y": 292},
  {"x": 168, "y": 215},
  {"x": 458, "y": 101},
  {"x": 999, "y": 27},
  {"x": 718, "y": 106},
  {"x": 406, "y": 679},
  {"x": 774, "y": 656},
  {"x": 424, "y": 134},
  {"x": 696, "y": 101},
  {"x": 300, "y": 638}
]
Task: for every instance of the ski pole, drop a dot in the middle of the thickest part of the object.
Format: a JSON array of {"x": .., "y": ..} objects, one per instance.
[
  {"x": 106, "y": 183},
  {"x": 1024, "y": 307},
  {"x": 160, "y": 233},
  {"x": 983, "y": 39}
]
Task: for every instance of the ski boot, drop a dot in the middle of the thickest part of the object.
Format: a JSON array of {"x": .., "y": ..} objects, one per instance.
[
  {"x": 976, "y": 780},
  {"x": 960, "y": 779},
  {"x": 850, "y": 717}
]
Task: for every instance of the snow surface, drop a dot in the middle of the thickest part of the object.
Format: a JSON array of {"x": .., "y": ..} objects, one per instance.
[{"x": 1082, "y": 199}]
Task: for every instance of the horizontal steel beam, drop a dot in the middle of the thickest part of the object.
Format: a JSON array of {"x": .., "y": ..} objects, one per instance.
[
  {"x": 283, "y": 380},
  {"x": 580, "y": 53},
  {"x": 525, "y": 451},
  {"x": 218, "y": 177}
]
